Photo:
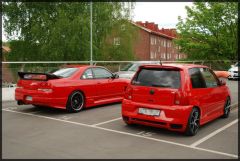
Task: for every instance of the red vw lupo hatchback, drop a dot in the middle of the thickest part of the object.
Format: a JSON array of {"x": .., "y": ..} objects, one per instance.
[{"x": 176, "y": 97}]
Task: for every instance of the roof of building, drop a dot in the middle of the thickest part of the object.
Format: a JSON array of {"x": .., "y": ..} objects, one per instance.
[{"x": 153, "y": 29}]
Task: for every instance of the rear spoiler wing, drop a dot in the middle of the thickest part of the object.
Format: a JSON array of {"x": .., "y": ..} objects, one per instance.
[
  {"x": 162, "y": 66},
  {"x": 37, "y": 76}
]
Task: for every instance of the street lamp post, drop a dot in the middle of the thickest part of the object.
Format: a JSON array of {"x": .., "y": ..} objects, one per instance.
[{"x": 91, "y": 63}]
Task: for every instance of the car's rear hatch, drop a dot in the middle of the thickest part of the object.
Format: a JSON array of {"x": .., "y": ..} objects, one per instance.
[{"x": 156, "y": 85}]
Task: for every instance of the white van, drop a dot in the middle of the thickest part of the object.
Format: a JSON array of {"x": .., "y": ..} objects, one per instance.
[{"x": 233, "y": 71}]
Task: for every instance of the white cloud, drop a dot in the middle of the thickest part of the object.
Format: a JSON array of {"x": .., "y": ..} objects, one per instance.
[{"x": 165, "y": 14}]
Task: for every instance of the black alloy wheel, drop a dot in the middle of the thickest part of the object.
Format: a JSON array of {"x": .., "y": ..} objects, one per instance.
[
  {"x": 226, "y": 109},
  {"x": 193, "y": 122},
  {"x": 75, "y": 101}
]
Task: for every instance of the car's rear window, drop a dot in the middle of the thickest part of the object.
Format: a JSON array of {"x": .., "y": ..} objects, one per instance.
[
  {"x": 163, "y": 78},
  {"x": 65, "y": 72}
]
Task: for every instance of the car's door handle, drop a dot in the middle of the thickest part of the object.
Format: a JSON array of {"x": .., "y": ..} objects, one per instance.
[{"x": 98, "y": 82}]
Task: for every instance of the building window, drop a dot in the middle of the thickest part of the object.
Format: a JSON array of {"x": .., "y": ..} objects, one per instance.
[
  {"x": 169, "y": 56},
  {"x": 152, "y": 40},
  {"x": 176, "y": 56},
  {"x": 158, "y": 48},
  {"x": 164, "y": 44},
  {"x": 116, "y": 41},
  {"x": 155, "y": 55},
  {"x": 164, "y": 55},
  {"x": 169, "y": 44},
  {"x": 151, "y": 55}
]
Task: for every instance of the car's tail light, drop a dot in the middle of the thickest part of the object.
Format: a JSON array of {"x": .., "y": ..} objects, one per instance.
[
  {"x": 47, "y": 90},
  {"x": 45, "y": 87},
  {"x": 177, "y": 98},
  {"x": 45, "y": 84},
  {"x": 180, "y": 99},
  {"x": 128, "y": 92}
]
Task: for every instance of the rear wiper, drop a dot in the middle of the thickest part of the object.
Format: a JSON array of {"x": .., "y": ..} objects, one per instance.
[{"x": 160, "y": 85}]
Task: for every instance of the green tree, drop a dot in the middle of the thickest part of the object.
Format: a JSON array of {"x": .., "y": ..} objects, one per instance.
[
  {"x": 61, "y": 30},
  {"x": 209, "y": 31}
]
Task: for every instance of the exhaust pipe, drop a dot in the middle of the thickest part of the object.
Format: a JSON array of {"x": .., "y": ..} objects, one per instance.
[{"x": 20, "y": 103}]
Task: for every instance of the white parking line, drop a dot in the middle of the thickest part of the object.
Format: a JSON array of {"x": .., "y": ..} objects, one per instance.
[
  {"x": 126, "y": 133},
  {"x": 213, "y": 134},
  {"x": 101, "y": 123}
]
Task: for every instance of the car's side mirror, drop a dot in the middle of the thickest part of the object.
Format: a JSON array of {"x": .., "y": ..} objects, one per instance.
[{"x": 223, "y": 82}]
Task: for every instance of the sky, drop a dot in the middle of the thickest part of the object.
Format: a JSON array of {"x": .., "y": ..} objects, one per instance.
[{"x": 165, "y": 14}]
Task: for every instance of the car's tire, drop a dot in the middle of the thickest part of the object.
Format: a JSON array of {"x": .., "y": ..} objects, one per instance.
[
  {"x": 76, "y": 102},
  {"x": 226, "y": 108},
  {"x": 193, "y": 122}
]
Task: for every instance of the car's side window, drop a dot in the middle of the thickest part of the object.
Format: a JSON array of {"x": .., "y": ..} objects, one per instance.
[
  {"x": 209, "y": 78},
  {"x": 101, "y": 73},
  {"x": 196, "y": 78},
  {"x": 87, "y": 74}
]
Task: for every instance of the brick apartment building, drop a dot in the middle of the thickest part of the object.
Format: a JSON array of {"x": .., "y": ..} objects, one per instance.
[{"x": 155, "y": 44}]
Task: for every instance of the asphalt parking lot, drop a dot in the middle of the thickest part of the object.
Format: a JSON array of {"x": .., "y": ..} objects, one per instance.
[{"x": 46, "y": 133}]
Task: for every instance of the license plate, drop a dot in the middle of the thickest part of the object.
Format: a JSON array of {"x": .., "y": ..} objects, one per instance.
[
  {"x": 29, "y": 98},
  {"x": 150, "y": 112}
]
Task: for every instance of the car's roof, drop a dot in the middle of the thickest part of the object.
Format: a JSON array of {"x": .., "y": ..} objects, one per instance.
[
  {"x": 81, "y": 66},
  {"x": 181, "y": 66},
  {"x": 146, "y": 62}
]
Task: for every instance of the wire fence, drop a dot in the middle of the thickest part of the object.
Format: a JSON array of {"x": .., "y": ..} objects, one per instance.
[{"x": 10, "y": 69}]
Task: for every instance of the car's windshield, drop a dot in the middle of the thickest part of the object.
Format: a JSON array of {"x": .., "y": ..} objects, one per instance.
[
  {"x": 237, "y": 64},
  {"x": 64, "y": 72},
  {"x": 131, "y": 67},
  {"x": 126, "y": 67}
]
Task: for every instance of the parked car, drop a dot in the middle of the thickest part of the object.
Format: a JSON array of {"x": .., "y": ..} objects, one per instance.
[
  {"x": 70, "y": 88},
  {"x": 130, "y": 69},
  {"x": 233, "y": 71},
  {"x": 176, "y": 97}
]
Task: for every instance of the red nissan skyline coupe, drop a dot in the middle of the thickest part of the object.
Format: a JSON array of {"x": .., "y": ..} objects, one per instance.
[
  {"x": 71, "y": 88},
  {"x": 175, "y": 97}
]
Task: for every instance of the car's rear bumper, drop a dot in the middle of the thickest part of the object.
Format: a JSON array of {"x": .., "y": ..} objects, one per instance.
[
  {"x": 173, "y": 118},
  {"x": 39, "y": 98}
]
